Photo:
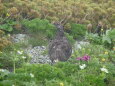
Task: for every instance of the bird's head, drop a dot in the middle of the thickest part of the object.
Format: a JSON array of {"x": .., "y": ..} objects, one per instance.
[{"x": 59, "y": 26}]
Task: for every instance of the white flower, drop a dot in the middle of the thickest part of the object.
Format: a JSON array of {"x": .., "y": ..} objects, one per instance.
[
  {"x": 2, "y": 70},
  {"x": 104, "y": 70},
  {"x": 20, "y": 52},
  {"x": 32, "y": 75},
  {"x": 82, "y": 66},
  {"x": 23, "y": 57},
  {"x": 13, "y": 85}
]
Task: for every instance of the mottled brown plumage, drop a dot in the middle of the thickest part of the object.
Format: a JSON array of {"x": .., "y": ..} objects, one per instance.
[{"x": 59, "y": 48}]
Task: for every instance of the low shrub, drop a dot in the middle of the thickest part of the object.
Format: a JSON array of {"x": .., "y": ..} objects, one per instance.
[
  {"x": 42, "y": 71},
  {"x": 70, "y": 38},
  {"x": 63, "y": 73},
  {"x": 12, "y": 58},
  {"x": 78, "y": 31},
  {"x": 8, "y": 25},
  {"x": 4, "y": 42},
  {"x": 37, "y": 26},
  {"x": 107, "y": 39}
]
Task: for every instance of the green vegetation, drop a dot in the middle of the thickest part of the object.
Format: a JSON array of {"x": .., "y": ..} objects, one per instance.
[
  {"x": 107, "y": 39},
  {"x": 91, "y": 65},
  {"x": 76, "y": 11},
  {"x": 4, "y": 42},
  {"x": 40, "y": 26},
  {"x": 78, "y": 31},
  {"x": 95, "y": 70}
]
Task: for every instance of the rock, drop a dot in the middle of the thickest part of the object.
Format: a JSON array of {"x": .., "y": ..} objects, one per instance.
[
  {"x": 37, "y": 55},
  {"x": 19, "y": 38}
]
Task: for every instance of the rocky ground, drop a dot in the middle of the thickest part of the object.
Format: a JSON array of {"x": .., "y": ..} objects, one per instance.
[{"x": 37, "y": 53}]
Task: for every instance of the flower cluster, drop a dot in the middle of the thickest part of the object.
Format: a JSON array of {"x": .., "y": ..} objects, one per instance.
[
  {"x": 104, "y": 70},
  {"x": 32, "y": 75},
  {"x": 20, "y": 52},
  {"x": 106, "y": 53},
  {"x": 23, "y": 57},
  {"x": 103, "y": 60},
  {"x": 84, "y": 58},
  {"x": 61, "y": 84},
  {"x": 82, "y": 66}
]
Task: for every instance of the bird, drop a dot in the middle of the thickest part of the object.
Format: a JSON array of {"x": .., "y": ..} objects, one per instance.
[{"x": 59, "y": 48}]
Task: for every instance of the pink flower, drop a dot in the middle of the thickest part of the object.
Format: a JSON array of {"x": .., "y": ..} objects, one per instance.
[{"x": 84, "y": 58}]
